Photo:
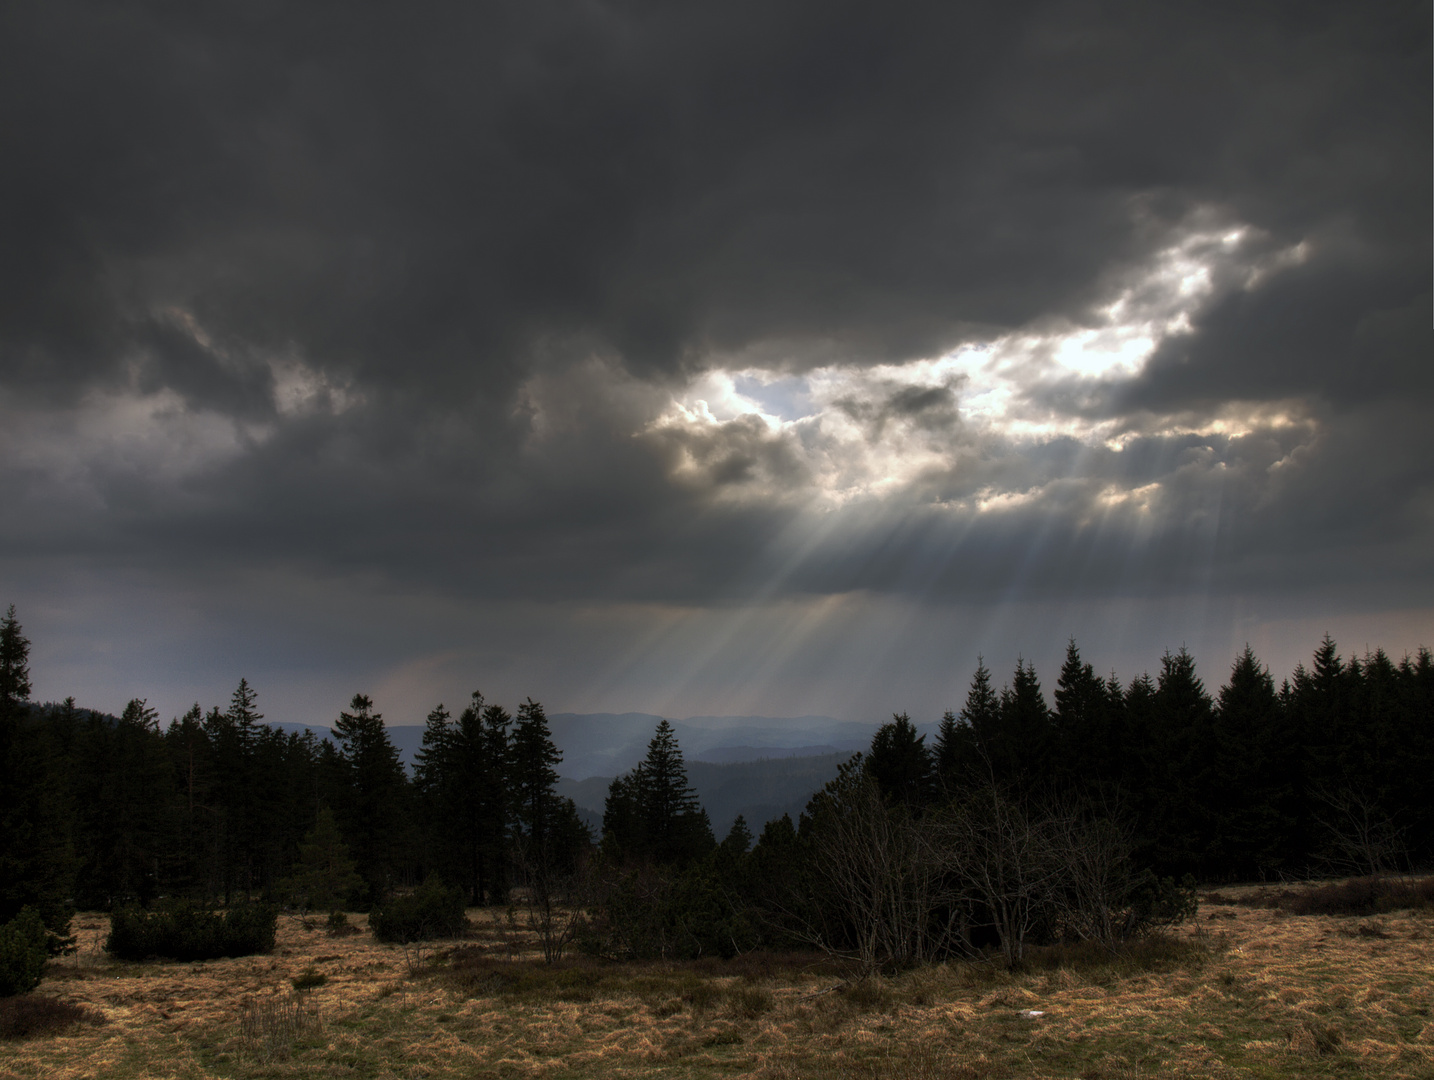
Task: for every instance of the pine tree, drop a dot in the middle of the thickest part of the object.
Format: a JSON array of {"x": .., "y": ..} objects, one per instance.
[
  {"x": 324, "y": 876},
  {"x": 1246, "y": 795},
  {"x": 901, "y": 765},
  {"x": 739, "y": 837},
  {"x": 1082, "y": 725},
  {"x": 675, "y": 823},
  {"x": 134, "y": 808},
  {"x": 533, "y": 775},
  {"x": 36, "y": 865},
  {"x": 234, "y": 736},
  {"x": 1022, "y": 750},
  {"x": 462, "y": 776},
  {"x": 962, "y": 754},
  {"x": 374, "y": 803},
  {"x": 1183, "y": 740},
  {"x": 651, "y": 813},
  {"x": 14, "y": 670},
  {"x": 192, "y": 868},
  {"x": 623, "y": 834}
]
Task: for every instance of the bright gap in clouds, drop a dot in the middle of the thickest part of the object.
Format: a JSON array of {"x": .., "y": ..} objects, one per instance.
[{"x": 868, "y": 431}]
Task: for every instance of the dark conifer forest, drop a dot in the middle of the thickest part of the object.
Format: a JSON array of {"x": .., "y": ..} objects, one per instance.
[{"x": 1031, "y": 815}]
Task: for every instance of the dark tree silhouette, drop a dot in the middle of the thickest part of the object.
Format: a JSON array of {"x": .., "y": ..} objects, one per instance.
[
  {"x": 373, "y": 806},
  {"x": 901, "y": 765}
]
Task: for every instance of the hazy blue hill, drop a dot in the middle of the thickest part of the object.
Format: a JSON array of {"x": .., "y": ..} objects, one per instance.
[
  {"x": 758, "y": 790},
  {"x": 758, "y": 766},
  {"x": 606, "y": 744},
  {"x": 726, "y": 755}
]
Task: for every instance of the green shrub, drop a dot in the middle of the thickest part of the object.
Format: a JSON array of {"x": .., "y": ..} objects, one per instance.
[
  {"x": 181, "y": 931},
  {"x": 666, "y": 913},
  {"x": 1158, "y": 903},
  {"x": 434, "y": 911},
  {"x": 23, "y": 953},
  {"x": 309, "y": 978}
]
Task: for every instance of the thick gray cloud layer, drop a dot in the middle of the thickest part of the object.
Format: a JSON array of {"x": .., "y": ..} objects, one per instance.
[{"x": 406, "y": 296}]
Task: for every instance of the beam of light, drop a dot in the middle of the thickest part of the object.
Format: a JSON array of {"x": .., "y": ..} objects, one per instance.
[{"x": 898, "y": 474}]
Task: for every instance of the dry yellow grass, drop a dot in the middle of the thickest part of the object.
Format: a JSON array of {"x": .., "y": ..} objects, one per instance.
[{"x": 1262, "y": 994}]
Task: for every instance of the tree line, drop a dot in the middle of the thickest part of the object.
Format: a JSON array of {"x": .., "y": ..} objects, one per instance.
[
  {"x": 1024, "y": 820},
  {"x": 99, "y": 811},
  {"x": 1085, "y": 818}
]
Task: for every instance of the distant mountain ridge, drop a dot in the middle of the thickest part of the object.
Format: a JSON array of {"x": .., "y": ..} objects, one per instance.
[
  {"x": 758, "y": 766},
  {"x": 760, "y": 791},
  {"x": 606, "y": 744}
]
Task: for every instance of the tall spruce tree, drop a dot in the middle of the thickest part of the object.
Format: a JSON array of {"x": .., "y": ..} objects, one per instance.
[
  {"x": 1022, "y": 750},
  {"x": 192, "y": 870},
  {"x": 963, "y": 741},
  {"x": 652, "y": 815},
  {"x": 676, "y": 826},
  {"x": 36, "y": 865},
  {"x": 1247, "y": 799},
  {"x": 132, "y": 811},
  {"x": 373, "y": 809},
  {"x": 901, "y": 764},
  {"x": 1183, "y": 742},
  {"x": 462, "y": 776},
  {"x": 533, "y": 775},
  {"x": 14, "y": 669},
  {"x": 1084, "y": 726}
]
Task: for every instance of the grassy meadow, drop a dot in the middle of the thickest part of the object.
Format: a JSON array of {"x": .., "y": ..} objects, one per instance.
[{"x": 1242, "y": 990}]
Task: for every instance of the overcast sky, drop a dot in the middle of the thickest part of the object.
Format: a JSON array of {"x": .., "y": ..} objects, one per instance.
[{"x": 766, "y": 357}]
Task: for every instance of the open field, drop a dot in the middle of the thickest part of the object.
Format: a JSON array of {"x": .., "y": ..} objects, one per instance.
[{"x": 1240, "y": 991}]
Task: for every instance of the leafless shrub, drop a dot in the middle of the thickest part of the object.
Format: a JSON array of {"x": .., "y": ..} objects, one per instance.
[
  {"x": 553, "y": 891},
  {"x": 270, "y": 1026},
  {"x": 1363, "y": 838},
  {"x": 1001, "y": 854},
  {"x": 883, "y": 878},
  {"x": 1092, "y": 874}
]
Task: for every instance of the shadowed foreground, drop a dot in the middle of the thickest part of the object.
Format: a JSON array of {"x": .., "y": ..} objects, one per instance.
[{"x": 1241, "y": 991}]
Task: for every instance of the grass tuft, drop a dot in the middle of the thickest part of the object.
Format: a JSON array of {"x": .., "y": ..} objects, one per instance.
[
  {"x": 750, "y": 1002},
  {"x": 1314, "y": 1038}
]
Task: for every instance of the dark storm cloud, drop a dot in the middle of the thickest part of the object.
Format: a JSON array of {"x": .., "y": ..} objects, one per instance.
[{"x": 482, "y": 241}]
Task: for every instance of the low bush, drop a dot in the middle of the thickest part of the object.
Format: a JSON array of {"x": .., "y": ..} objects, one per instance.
[
  {"x": 32, "y": 1016},
  {"x": 434, "y": 911},
  {"x": 663, "y": 913},
  {"x": 23, "y": 953},
  {"x": 182, "y": 931},
  {"x": 474, "y": 975},
  {"x": 309, "y": 978},
  {"x": 1158, "y": 903},
  {"x": 1363, "y": 896},
  {"x": 1156, "y": 951}
]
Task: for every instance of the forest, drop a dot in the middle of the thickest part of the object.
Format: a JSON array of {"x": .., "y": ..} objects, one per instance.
[{"x": 1086, "y": 816}]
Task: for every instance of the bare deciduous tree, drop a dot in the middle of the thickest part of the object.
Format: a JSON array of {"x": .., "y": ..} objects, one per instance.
[
  {"x": 1364, "y": 838},
  {"x": 882, "y": 877},
  {"x": 1001, "y": 854}
]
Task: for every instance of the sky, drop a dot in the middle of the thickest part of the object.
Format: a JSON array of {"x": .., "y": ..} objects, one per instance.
[{"x": 769, "y": 358}]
